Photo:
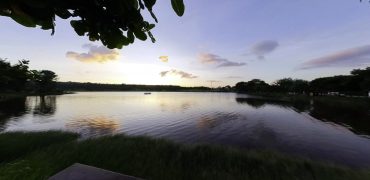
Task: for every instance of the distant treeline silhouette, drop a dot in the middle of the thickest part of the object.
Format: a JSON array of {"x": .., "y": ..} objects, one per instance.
[
  {"x": 76, "y": 86},
  {"x": 357, "y": 83},
  {"x": 18, "y": 78}
]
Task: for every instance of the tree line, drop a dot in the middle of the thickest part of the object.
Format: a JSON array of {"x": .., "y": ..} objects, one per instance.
[
  {"x": 357, "y": 83},
  {"x": 78, "y": 86},
  {"x": 20, "y": 79}
]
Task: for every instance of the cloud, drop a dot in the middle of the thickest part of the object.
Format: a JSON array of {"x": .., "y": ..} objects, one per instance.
[
  {"x": 163, "y": 58},
  {"x": 230, "y": 63},
  {"x": 208, "y": 58},
  {"x": 213, "y": 81},
  {"x": 233, "y": 77},
  {"x": 261, "y": 49},
  {"x": 99, "y": 54},
  {"x": 175, "y": 72},
  {"x": 357, "y": 56}
]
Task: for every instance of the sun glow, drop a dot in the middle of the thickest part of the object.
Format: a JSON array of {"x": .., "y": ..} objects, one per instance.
[
  {"x": 136, "y": 73},
  {"x": 120, "y": 72}
]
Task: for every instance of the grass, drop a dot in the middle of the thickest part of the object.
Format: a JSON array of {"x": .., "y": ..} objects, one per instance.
[
  {"x": 148, "y": 158},
  {"x": 16, "y": 144}
]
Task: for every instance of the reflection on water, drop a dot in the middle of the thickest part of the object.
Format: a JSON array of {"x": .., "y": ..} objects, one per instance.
[
  {"x": 318, "y": 128},
  {"x": 44, "y": 105},
  {"x": 259, "y": 102},
  {"x": 89, "y": 127},
  {"x": 353, "y": 114},
  {"x": 261, "y": 132},
  {"x": 11, "y": 108},
  {"x": 216, "y": 119}
]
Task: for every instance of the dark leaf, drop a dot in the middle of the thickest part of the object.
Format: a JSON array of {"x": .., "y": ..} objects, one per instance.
[
  {"x": 151, "y": 26},
  {"x": 79, "y": 27},
  {"x": 25, "y": 21},
  {"x": 130, "y": 36},
  {"x": 140, "y": 35},
  {"x": 149, "y": 4},
  {"x": 178, "y": 6},
  {"x": 21, "y": 17},
  {"x": 151, "y": 37},
  {"x": 141, "y": 4},
  {"x": 63, "y": 13}
]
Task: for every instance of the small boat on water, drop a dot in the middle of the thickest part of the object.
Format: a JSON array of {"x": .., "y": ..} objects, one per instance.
[{"x": 147, "y": 93}]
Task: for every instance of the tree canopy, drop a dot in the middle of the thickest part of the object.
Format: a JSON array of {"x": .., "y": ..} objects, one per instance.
[
  {"x": 291, "y": 85},
  {"x": 116, "y": 23},
  {"x": 358, "y": 83},
  {"x": 18, "y": 78},
  {"x": 254, "y": 85}
]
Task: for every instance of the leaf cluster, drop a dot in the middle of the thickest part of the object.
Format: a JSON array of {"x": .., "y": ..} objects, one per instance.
[{"x": 116, "y": 23}]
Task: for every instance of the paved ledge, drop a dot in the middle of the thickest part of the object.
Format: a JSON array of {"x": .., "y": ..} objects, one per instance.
[{"x": 84, "y": 172}]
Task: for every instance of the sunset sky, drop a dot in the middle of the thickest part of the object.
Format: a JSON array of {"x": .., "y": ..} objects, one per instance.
[{"x": 217, "y": 41}]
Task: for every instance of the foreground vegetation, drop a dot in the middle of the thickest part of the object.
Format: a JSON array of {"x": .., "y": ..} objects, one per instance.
[{"x": 40, "y": 155}]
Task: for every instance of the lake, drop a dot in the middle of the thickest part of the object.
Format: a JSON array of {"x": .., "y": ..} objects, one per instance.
[{"x": 312, "y": 128}]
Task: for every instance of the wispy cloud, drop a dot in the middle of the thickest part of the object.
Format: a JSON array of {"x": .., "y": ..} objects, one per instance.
[
  {"x": 99, "y": 54},
  {"x": 346, "y": 58},
  {"x": 230, "y": 63},
  {"x": 180, "y": 73},
  {"x": 233, "y": 77},
  {"x": 208, "y": 58},
  {"x": 214, "y": 81},
  {"x": 261, "y": 49}
]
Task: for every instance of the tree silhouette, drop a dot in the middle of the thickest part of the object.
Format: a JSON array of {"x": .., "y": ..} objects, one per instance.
[
  {"x": 358, "y": 83},
  {"x": 18, "y": 78},
  {"x": 254, "y": 85},
  {"x": 45, "y": 80},
  {"x": 13, "y": 77},
  {"x": 292, "y": 85},
  {"x": 116, "y": 23}
]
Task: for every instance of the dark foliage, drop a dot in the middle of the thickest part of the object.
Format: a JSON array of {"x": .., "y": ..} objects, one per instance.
[
  {"x": 13, "y": 77},
  {"x": 291, "y": 85},
  {"x": 358, "y": 83},
  {"x": 255, "y": 85},
  {"x": 115, "y": 23},
  {"x": 18, "y": 78}
]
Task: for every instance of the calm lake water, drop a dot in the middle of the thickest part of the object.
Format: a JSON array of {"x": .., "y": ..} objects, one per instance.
[{"x": 334, "y": 132}]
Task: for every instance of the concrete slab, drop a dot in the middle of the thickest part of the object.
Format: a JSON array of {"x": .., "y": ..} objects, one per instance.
[{"x": 84, "y": 172}]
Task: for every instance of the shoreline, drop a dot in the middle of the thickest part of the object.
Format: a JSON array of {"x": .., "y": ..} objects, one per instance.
[{"x": 11, "y": 95}]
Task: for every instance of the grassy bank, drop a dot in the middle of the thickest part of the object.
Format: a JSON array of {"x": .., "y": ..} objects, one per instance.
[{"x": 40, "y": 155}]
